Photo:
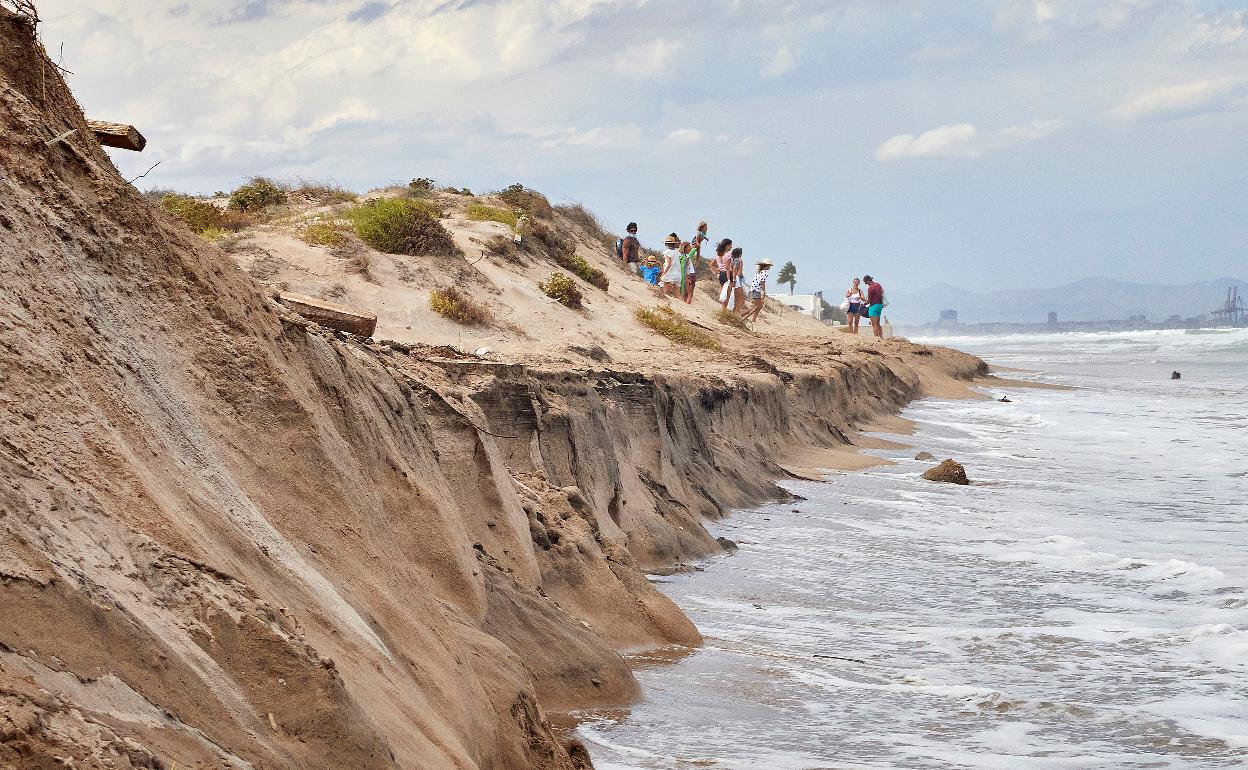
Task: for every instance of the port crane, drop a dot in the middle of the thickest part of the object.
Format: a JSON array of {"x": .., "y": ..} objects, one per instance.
[{"x": 1232, "y": 311}]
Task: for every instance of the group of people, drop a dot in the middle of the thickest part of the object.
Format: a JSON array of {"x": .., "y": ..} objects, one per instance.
[
  {"x": 869, "y": 303},
  {"x": 675, "y": 270}
]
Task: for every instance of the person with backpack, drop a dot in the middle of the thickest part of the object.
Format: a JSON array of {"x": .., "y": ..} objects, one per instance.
[{"x": 628, "y": 249}]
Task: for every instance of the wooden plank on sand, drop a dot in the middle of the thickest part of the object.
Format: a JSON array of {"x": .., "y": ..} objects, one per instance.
[
  {"x": 120, "y": 135},
  {"x": 330, "y": 314}
]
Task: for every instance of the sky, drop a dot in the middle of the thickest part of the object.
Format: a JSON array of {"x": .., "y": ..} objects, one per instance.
[{"x": 988, "y": 144}]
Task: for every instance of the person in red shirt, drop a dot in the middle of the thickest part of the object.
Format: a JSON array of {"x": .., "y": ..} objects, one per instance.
[{"x": 875, "y": 304}]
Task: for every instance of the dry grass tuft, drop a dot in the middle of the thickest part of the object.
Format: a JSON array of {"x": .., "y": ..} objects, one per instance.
[
  {"x": 731, "y": 318},
  {"x": 519, "y": 197},
  {"x": 327, "y": 234},
  {"x": 667, "y": 322},
  {"x": 323, "y": 193},
  {"x": 459, "y": 307}
]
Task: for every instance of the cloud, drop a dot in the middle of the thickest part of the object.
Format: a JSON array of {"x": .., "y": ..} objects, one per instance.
[
  {"x": 783, "y": 61},
  {"x": 597, "y": 138},
  {"x": 935, "y": 53},
  {"x": 1177, "y": 100},
  {"x": 963, "y": 140},
  {"x": 944, "y": 141},
  {"x": 684, "y": 137}
]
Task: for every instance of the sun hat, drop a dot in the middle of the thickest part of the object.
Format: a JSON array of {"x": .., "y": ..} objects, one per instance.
[
  {"x": 766, "y": 262},
  {"x": 672, "y": 240}
]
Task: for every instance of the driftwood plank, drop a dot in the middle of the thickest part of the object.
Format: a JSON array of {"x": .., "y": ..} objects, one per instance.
[
  {"x": 330, "y": 314},
  {"x": 120, "y": 135}
]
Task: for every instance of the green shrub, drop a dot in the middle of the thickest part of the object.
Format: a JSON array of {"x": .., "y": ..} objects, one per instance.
[
  {"x": 582, "y": 269},
  {"x": 401, "y": 226},
  {"x": 480, "y": 212},
  {"x": 196, "y": 214},
  {"x": 322, "y": 234},
  {"x": 562, "y": 288},
  {"x": 667, "y": 322},
  {"x": 459, "y": 307},
  {"x": 731, "y": 318},
  {"x": 460, "y": 191},
  {"x": 257, "y": 195},
  {"x": 421, "y": 184}
]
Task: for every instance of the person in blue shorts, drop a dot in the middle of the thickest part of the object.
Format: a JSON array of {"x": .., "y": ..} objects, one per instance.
[{"x": 875, "y": 304}]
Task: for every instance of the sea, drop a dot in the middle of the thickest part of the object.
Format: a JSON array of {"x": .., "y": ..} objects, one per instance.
[{"x": 1083, "y": 604}]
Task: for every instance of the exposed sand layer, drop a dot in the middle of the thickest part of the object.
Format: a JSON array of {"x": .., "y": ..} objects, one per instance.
[{"x": 229, "y": 538}]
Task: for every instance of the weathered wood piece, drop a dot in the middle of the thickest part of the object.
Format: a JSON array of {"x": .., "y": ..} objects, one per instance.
[
  {"x": 330, "y": 314},
  {"x": 119, "y": 135}
]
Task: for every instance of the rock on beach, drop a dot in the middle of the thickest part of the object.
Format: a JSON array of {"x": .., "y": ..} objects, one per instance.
[{"x": 949, "y": 472}]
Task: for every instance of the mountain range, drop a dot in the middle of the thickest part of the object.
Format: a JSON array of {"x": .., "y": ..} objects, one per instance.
[{"x": 1090, "y": 299}]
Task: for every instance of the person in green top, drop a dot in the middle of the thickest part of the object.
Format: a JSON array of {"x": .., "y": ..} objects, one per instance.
[{"x": 685, "y": 266}]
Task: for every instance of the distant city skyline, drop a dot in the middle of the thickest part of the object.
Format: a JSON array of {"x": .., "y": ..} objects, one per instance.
[{"x": 983, "y": 144}]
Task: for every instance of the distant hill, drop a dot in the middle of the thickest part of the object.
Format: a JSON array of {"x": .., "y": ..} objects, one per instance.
[{"x": 1091, "y": 299}]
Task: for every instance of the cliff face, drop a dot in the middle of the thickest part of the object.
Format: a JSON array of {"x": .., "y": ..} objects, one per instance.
[{"x": 229, "y": 539}]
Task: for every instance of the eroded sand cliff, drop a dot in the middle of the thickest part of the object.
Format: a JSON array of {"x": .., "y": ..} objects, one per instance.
[{"x": 231, "y": 539}]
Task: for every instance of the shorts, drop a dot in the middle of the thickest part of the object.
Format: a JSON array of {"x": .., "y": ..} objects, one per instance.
[
  {"x": 691, "y": 279},
  {"x": 634, "y": 267},
  {"x": 669, "y": 278},
  {"x": 855, "y": 308},
  {"x": 756, "y": 295},
  {"x": 875, "y": 310}
]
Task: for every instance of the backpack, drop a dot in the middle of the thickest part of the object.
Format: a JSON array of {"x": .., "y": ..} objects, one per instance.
[{"x": 619, "y": 248}]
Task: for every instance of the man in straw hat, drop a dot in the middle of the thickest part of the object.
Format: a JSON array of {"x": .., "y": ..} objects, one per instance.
[
  {"x": 670, "y": 279},
  {"x": 758, "y": 291}
]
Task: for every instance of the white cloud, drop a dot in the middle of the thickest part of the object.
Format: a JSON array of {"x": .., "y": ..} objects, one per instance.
[
  {"x": 783, "y": 61},
  {"x": 935, "y": 53},
  {"x": 1181, "y": 99},
  {"x": 684, "y": 137},
  {"x": 597, "y": 138},
  {"x": 963, "y": 140}
]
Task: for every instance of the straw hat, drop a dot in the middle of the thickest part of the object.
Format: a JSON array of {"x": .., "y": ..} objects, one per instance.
[
  {"x": 672, "y": 240},
  {"x": 765, "y": 263}
]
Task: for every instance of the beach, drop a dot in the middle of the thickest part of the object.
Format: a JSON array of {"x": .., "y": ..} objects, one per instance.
[{"x": 1082, "y": 604}]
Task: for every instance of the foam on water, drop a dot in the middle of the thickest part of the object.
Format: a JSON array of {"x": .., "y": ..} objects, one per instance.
[{"x": 1085, "y": 605}]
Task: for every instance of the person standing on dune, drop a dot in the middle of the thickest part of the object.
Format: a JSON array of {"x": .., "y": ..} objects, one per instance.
[
  {"x": 875, "y": 304},
  {"x": 672, "y": 274},
  {"x": 758, "y": 291},
  {"x": 629, "y": 249}
]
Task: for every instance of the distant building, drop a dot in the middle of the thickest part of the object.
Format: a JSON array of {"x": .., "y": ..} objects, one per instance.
[
  {"x": 811, "y": 305},
  {"x": 1137, "y": 320},
  {"x": 1052, "y": 320},
  {"x": 948, "y": 318}
]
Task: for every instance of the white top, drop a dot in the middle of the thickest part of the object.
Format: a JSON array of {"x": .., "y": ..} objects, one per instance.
[
  {"x": 759, "y": 282},
  {"x": 856, "y": 295},
  {"x": 672, "y": 260}
]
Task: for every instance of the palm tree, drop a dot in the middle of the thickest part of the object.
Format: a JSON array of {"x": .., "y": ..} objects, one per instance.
[{"x": 788, "y": 274}]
